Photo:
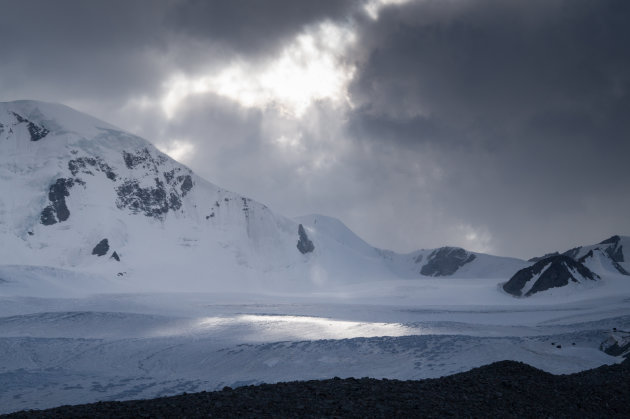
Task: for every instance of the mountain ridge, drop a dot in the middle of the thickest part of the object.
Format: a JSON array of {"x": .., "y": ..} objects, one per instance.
[{"x": 72, "y": 183}]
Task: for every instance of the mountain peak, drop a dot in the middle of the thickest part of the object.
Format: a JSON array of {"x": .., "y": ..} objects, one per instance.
[
  {"x": 612, "y": 240},
  {"x": 552, "y": 272},
  {"x": 49, "y": 119},
  {"x": 446, "y": 261}
]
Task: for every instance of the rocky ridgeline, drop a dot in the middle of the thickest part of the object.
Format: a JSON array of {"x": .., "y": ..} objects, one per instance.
[
  {"x": 551, "y": 272},
  {"x": 503, "y": 389}
]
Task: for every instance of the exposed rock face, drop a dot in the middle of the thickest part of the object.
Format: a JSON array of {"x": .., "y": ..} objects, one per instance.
[
  {"x": 115, "y": 256},
  {"x": 37, "y": 132},
  {"x": 573, "y": 253},
  {"x": 57, "y": 211},
  {"x": 611, "y": 246},
  {"x": 304, "y": 244},
  {"x": 101, "y": 248},
  {"x": 611, "y": 249},
  {"x": 538, "y": 258},
  {"x": 591, "y": 254},
  {"x": 614, "y": 250},
  {"x": 611, "y": 240},
  {"x": 552, "y": 272},
  {"x": 186, "y": 184},
  {"x": 142, "y": 158},
  {"x": 446, "y": 261},
  {"x": 617, "y": 344},
  {"x": 87, "y": 164},
  {"x": 153, "y": 201}
]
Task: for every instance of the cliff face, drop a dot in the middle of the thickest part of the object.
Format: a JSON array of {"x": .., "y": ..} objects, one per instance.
[{"x": 551, "y": 272}]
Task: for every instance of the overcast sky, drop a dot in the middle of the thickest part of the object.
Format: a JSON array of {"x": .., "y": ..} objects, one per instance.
[{"x": 498, "y": 126}]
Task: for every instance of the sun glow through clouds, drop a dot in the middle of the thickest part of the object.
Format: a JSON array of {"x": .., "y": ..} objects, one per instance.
[
  {"x": 309, "y": 69},
  {"x": 373, "y": 7},
  {"x": 179, "y": 150}
]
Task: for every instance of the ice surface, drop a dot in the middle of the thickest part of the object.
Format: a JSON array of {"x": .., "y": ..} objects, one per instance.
[
  {"x": 85, "y": 348},
  {"x": 214, "y": 292}
]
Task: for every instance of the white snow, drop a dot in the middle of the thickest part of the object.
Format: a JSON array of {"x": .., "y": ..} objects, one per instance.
[
  {"x": 216, "y": 293},
  {"x": 125, "y": 346}
]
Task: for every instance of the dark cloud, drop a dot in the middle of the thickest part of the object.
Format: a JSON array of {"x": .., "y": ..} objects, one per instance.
[
  {"x": 488, "y": 59},
  {"x": 74, "y": 50},
  {"x": 498, "y": 125},
  {"x": 526, "y": 104},
  {"x": 254, "y": 27}
]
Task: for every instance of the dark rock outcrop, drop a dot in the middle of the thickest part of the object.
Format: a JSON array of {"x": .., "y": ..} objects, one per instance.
[
  {"x": 615, "y": 264},
  {"x": 304, "y": 244},
  {"x": 504, "y": 389},
  {"x": 115, "y": 256},
  {"x": 614, "y": 249},
  {"x": 446, "y": 261},
  {"x": 617, "y": 344},
  {"x": 572, "y": 253},
  {"x": 552, "y": 272},
  {"x": 143, "y": 158},
  {"x": 611, "y": 240},
  {"x": 101, "y": 248},
  {"x": 87, "y": 164},
  {"x": 186, "y": 184},
  {"x": 538, "y": 258},
  {"x": 153, "y": 201},
  {"x": 37, "y": 132},
  {"x": 57, "y": 211}
]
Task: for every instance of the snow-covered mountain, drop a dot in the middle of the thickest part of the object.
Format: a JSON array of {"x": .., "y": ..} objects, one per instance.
[
  {"x": 551, "y": 272},
  {"x": 609, "y": 256},
  {"x": 342, "y": 245},
  {"x": 80, "y": 194},
  {"x": 579, "y": 265}
]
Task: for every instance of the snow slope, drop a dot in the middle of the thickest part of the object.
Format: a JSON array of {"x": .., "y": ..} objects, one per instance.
[
  {"x": 609, "y": 256},
  {"x": 115, "y": 347},
  {"x": 79, "y": 194},
  {"x": 343, "y": 245}
]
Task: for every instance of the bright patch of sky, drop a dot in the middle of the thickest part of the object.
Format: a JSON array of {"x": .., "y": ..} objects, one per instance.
[
  {"x": 373, "y": 7},
  {"x": 179, "y": 150},
  {"x": 310, "y": 68},
  {"x": 478, "y": 239}
]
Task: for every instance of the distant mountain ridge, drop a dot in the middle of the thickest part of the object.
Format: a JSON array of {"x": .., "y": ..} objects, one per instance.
[
  {"x": 551, "y": 272},
  {"x": 612, "y": 254},
  {"x": 577, "y": 265},
  {"x": 78, "y": 193}
]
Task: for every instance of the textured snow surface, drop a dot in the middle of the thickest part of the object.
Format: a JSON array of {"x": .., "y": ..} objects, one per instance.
[
  {"x": 79, "y": 349},
  {"x": 210, "y": 290}
]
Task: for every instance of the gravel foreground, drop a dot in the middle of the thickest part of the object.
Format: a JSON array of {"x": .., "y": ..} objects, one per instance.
[{"x": 501, "y": 389}]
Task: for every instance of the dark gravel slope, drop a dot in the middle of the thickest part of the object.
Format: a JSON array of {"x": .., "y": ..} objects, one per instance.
[{"x": 502, "y": 389}]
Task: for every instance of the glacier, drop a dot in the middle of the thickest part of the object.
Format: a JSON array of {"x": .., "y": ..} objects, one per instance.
[{"x": 125, "y": 275}]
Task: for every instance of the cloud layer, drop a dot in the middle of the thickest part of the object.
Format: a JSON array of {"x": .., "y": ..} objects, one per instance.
[{"x": 492, "y": 125}]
